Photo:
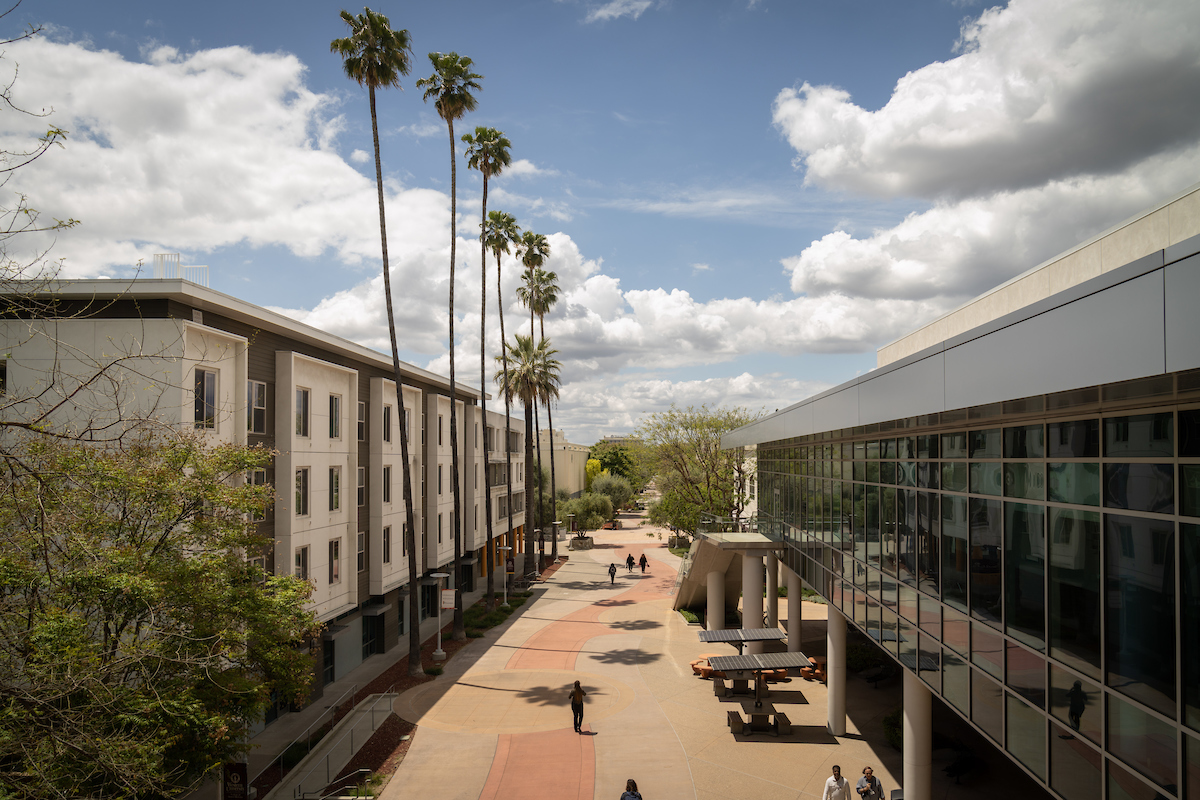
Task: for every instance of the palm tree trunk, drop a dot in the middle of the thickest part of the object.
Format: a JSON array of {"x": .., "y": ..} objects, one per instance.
[
  {"x": 490, "y": 560},
  {"x": 553, "y": 484},
  {"x": 529, "y": 403},
  {"x": 507, "y": 408},
  {"x": 410, "y": 543},
  {"x": 541, "y": 488},
  {"x": 459, "y": 632}
]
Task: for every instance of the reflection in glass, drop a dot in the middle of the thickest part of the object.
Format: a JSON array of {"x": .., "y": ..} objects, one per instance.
[
  {"x": 927, "y": 475},
  {"x": 908, "y": 603},
  {"x": 1143, "y": 741},
  {"x": 1191, "y": 767},
  {"x": 1024, "y": 572},
  {"x": 956, "y": 680},
  {"x": 1122, "y": 785},
  {"x": 1027, "y": 736},
  {"x": 1140, "y": 487},
  {"x": 887, "y": 510},
  {"x": 906, "y": 545},
  {"x": 1076, "y": 702},
  {"x": 1140, "y": 615},
  {"x": 1189, "y": 604},
  {"x": 887, "y": 472},
  {"x": 987, "y": 705},
  {"x": 956, "y": 630},
  {"x": 1027, "y": 481},
  {"x": 986, "y": 544},
  {"x": 931, "y": 617},
  {"x": 928, "y": 541},
  {"x": 985, "y": 444},
  {"x": 954, "y": 445},
  {"x": 1026, "y": 674},
  {"x": 1189, "y": 490},
  {"x": 1074, "y": 483},
  {"x": 987, "y": 650},
  {"x": 906, "y": 473},
  {"x": 860, "y": 522},
  {"x": 1078, "y": 439},
  {"x": 872, "y": 532},
  {"x": 1075, "y": 589},
  {"x": 1139, "y": 436},
  {"x": 1024, "y": 442},
  {"x": 954, "y": 476},
  {"x": 954, "y": 551},
  {"x": 927, "y": 446},
  {"x": 986, "y": 477},
  {"x": 929, "y": 663},
  {"x": 1075, "y": 768},
  {"x": 1189, "y": 438}
]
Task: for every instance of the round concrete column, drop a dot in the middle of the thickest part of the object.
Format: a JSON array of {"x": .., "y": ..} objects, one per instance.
[
  {"x": 716, "y": 601},
  {"x": 795, "y": 596},
  {"x": 918, "y": 737},
  {"x": 752, "y": 596},
  {"x": 835, "y": 666},
  {"x": 772, "y": 562}
]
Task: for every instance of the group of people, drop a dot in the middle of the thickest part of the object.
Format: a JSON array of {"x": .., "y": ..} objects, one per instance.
[
  {"x": 629, "y": 562},
  {"x": 838, "y": 788}
]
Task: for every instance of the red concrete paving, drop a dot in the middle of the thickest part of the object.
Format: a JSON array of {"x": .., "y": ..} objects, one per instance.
[{"x": 532, "y": 766}]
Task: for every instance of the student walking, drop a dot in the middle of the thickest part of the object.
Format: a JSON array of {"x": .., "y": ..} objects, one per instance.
[
  {"x": 612, "y": 573},
  {"x": 836, "y": 787},
  {"x": 629, "y": 562},
  {"x": 643, "y": 561},
  {"x": 577, "y": 695},
  {"x": 631, "y": 792},
  {"x": 869, "y": 787}
]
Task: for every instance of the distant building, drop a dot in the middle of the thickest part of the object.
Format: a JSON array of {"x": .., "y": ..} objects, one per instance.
[{"x": 570, "y": 461}]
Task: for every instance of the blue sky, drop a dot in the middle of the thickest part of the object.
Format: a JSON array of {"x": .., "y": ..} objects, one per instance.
[{"x": 744, "y": 199}]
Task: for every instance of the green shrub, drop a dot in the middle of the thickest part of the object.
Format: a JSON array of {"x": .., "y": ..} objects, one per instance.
[
  {"x": 690, "y": 616},
  {"x": 434, "y": 671},
  {"x": 474, "y": 634},
  {"x": 893, "y": 728},
  {"x": 518, "y": 600}
]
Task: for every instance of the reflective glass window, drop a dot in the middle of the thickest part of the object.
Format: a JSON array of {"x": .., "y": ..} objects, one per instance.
[
  {"x": 1027, "y": 481},
  {"x": 929, "y": 663},
  {"x": 1077, "y": 439},
  {"x": 906, "y": 539},
  {"x": 986, "y": 478},
  {"x": 1189, "y": 490},
  {"x": 1140, "y": 609},
  {"x": 1075, "y": 589},
  {"x": 986, "y": 546},
  {"x": 954, "y": 445},
  {"x": 1140, "y": 487},
  {"x": 985, "y": 444},
  {"x": 1142, "y": 741},
  {"x": 1025, "y": 674},
  {"x": 887, "y": 448},
  {"x": 927, "y": 475},
  {"x": 860, "y": 470},
  {"x": 1123, "y": 785},
  {"x": 1075, "y": 768},
  {"x": 908, "y": 603},
  {"x": 860, "y": 450},
  {"x": 1026, "y": 734},
  {"x": 906, "y": 473},
  {"x": 1025, "y": 572},
  {"x": 1189, "y": 433},
  {"x": 987, "y": 650},
  {"x": 987, "y": 705},
  {"x": 928, "y": 541},
  {"x": 887, "y": 472},
  {"x": 888, "y": 540},
  {"x": 956, "y": 630},
  {"x": 1139, "y": 436},
  {"x": 956, "y": 680},
  {"x": 1024, "y": 442},
  {"x": 954, "y": 551},
  {"x": 906, "y": 447},
  {"x": 888, "y": 632},
  {"x": 873, "y": 450},
  {"x": 872, "y": 532},
  {"x": 1191, "y": 767},
  {"x": 1077, "y": 702},
  {"x": 931, "y": 617},
  {"x": 1075, "y": 483},
  {"x": 872, "y": 471},
  {"x": 1189, "y": 604},
  {"x": 860, "y": 522},
  {"x": 927, "y": 446},
  {"x": 954, "y": 476}
]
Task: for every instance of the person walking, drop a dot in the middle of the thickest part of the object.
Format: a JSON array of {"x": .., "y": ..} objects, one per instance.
[
  {"x": 869, "y": 787},
  {"x": 612, "y": 573},
  {"x": 577, "y": 695},
  {"x": 631, "y": 792},
  {"x": 629, "y": 562},
  {"x": 643, "y": 561},
  {"x": 836, "y": 787}
]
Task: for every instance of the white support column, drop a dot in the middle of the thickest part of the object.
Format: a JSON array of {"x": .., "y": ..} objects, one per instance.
[
  {"x": 794, "y": 613},
  {"x": 752, "y": 596},
  {"x": 918, "y": 737},
  {"x": 835, "y": 666},
  {"x": 716, "y": 601},
  {"x": 772, "y": 562}
]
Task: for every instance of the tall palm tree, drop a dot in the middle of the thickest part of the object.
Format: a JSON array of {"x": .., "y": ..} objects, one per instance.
[
  {"x": 530, "y": 293},
  {"x": 532, "y": 375},
  {"x": 487, "y": 151},
  {"x": 502, "y": 230},
  {"x": 376, "y": 56},
  {"x": 450, "y": 88},
  {"x": 543, "y": 295}
]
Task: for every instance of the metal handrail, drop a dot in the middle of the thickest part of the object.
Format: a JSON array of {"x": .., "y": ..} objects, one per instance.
[
  {"x": 307, "y": 731},
  {"x": 350, "y": 733}
]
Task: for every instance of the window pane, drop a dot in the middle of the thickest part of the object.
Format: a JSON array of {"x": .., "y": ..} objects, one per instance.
[
  {"x": 1024, "y": 442},
  {"x": 1075, "y": 768},
  {"x": 954, "y": 445},
  {"x": 1189, "y": 603},
  {"x": 1024, "y": 480},
  {"x": 954, "y": 476},
  {"x": 928, "y": 542},
  {"x": 987, "y": 650},
  {"x": 987, "y": 710},
  {"x": 1140, "y": 487},
  {"x": 1139, "y": 436},
  {"x": 1025, "y": 573},
  {"x": 956, "y": 630},
  {"x": 1189, "y": 490},
  {"x": 1027, "y": 736},
  {"x": 986, "y": 544},
  {"x": 1075, "y": 589},
  {"x": 1026, "y": 674},
  {"x": 1122, "y": 785},
  {"x": 985, "y": 444},
  {"x": 1142, "y": 741},
  {"x": 931, "y": 617},
  {"x": 954, "y": 551},
  {"x": 1140, "y": 616},
  {"x": 1076, "y": 702},
  {"x": 1078, "y": 439},
  {"x": 956, "y": 677},
  {"x": 1075, "y": 483},
  {"x": 986, "y": 477},
  {"x": 1191, "y": 767},
  {"x": 1189, "y": 435},
  {"x": 929, "y": 661}
]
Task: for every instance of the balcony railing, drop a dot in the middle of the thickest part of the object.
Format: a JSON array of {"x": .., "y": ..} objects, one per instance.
[{"x": 166, "y": 265}]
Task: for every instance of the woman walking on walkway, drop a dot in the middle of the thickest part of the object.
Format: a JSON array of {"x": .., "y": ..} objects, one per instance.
[
  {"x": 631, "y": 792},
  {"x": 577, "y": 695},
  {"x": 643, "y": 561},
  {"x": 629, "y": 562}
]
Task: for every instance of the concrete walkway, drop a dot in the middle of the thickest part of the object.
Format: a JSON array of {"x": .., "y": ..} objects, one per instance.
[{"x": 498, "y": 723}]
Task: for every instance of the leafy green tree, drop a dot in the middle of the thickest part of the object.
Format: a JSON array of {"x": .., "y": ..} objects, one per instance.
[
  {"x": 532, "y": 374},
  {"x": 137, "y": 642},
  {"x": 694, "y": 474},
  {"x": 615, "y": 487},
  {"x": 487, "y": 151},
  {"x": 376, "y": 56},
  {"x": 591, "y": 469},
  {"x": 591, "y": 510},
  {"x": 624, "y": 460},
  {"x": 450, "y": 88}
]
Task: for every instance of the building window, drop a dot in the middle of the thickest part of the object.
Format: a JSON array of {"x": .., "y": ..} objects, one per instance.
[
  {"x": 422, "y": 428},
  {"x": 439, "y": 478},
  {"x": 206, "y": 398},
  {"x": 362, "y": 551},
  {"x": 335, "y": 416},
  {"x": 302, "y": 412},
  {"x": 335, "y": 488},
  {"x": 362, "y": 421},
  {"x": 387, "y": 423},
  {"x": 302, "y": 563},
  {"x": 476, "y": 476},
  {"x": 440, "y": 430},
  {"x": 362, "y": 486},
  {"x": 404, "y": 539},
  {"x": 387, "y": 544},
  {"x": 256, "y": 407},
  {"x": 387, "y": 484},
  {"x": 335, "y": 560},
  {"x": 439, "y": 528},
  {"x": 257, "y": 477},
  {"x": 302, "y": 492}
]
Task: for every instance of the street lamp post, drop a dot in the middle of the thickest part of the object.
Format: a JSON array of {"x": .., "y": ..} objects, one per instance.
[
  {"x": 554, "y": 552},
  {"x": 505, "y": 603},
  {"x": 439, "y": 654},
  {"x": 541, "y": 549}
]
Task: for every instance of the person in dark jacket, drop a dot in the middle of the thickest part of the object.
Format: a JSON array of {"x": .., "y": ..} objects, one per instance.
[
  {"x": 643, "y": 561},
  {"x": 629, "y": 562},
  {"x": 869, "y": 787},
  {"x": 577, "y": 695},
  {"x": 631, "y": 792},
  {"x": 612, "y": 573}
]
